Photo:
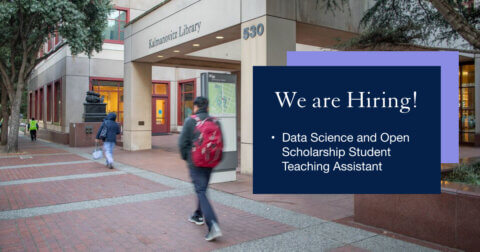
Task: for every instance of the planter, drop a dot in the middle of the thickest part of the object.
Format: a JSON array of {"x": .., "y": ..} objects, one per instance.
[
  {"x": 94, "y": 112},
  {"x": 451, "y": 218},
  {"x": 52, "y": 135}
]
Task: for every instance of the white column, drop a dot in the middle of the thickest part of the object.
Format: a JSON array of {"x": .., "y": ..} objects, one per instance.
[
  {"x": 137, "y": 131},
  {"x": 270, "y": 48}
]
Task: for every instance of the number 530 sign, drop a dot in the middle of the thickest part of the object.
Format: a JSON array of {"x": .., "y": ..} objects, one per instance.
[{"x": 253, "y": 31}]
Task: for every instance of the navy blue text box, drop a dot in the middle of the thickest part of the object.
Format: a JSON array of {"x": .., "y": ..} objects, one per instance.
[{"x": 405, "y": 145}]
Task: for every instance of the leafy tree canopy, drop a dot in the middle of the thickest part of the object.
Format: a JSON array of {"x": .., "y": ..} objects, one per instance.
[{"x": 25, "y": 25}]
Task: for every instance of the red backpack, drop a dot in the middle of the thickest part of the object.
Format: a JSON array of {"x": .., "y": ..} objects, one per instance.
[{"x": 208, "y": 147}]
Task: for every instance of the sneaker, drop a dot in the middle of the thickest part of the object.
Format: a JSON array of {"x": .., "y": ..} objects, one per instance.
[
  {"x": 110, "y": 166},
  {"x": 196, "y": 219},
  {"x": 214, "y": 232}
]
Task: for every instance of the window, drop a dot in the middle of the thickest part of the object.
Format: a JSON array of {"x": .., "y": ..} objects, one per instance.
[
  {"x": 40, "y": 105},
  {"x": 160, "y": 107},
  {"x": 111, "y": 90},
  {"x": 58, "y": 101},
  {"x": 467, "y": 103},
  {"x": 30, "y": 105},
  {"x": 41, "y": 51},
  {"x": 49, "y": 43},
  {"x": 115, "y": 33},
  {"x": 160, "y": 89},
  {"x": 186, "y": 94},
  {"x": 36, "y": 104},
  {"x": 49, "y": 102},
  {"x": 57, "y": 38},
  {"x": 53, "y": 40}
]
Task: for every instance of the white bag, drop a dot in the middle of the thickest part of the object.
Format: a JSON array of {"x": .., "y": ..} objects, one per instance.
[{"x": 97, "y": 153}]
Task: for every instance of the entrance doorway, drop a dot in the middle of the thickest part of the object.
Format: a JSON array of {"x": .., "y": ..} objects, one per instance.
[
  {"x": 467, "y": 103},
  {"x": 160, "y": 108}
]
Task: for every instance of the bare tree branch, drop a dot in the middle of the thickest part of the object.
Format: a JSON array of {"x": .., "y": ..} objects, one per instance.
[{"x": 458, "y": 22}]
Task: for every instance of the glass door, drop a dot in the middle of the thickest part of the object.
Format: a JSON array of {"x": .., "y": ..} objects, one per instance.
[
  {"x": 160, "y": 109},
  {"x": 159, "y": 120}
]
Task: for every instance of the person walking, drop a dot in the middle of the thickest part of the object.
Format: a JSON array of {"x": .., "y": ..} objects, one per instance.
[
  {"x": 108, "y": 134},
  {"x": 32, "y": 128},
  {"x": 201, "y": 146}
]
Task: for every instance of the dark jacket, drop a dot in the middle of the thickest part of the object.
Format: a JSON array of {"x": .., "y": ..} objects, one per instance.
[
  {"x": 112, "y": 128},
  {"x": 188, "y": 136}
]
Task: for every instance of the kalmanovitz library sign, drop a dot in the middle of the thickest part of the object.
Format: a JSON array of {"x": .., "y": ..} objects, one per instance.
[{"x": 182, "y": 31}]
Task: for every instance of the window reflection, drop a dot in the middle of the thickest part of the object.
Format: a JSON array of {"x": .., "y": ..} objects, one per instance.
[
  {"x": 112, "y": 94},
  {"x": 115, "y": 25},
  {"x": 186, "y": 98},
  {"x": 467, "y": 103}
]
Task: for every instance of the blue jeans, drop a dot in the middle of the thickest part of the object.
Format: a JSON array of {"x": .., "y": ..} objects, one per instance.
[
  {"x": 200, "y": 178},
  {"x": 108, "y": 151}
]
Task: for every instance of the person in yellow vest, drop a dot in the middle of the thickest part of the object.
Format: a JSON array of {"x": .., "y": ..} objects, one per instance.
[{"x": 32, "y": 127}]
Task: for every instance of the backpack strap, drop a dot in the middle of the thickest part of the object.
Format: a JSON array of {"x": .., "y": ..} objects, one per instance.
[
  {"x": 211, "y": 119},
  {"x": 208, "y": 118}
]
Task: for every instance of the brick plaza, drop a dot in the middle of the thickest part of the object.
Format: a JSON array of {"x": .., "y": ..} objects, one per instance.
[{"x": 56, "y": 198}]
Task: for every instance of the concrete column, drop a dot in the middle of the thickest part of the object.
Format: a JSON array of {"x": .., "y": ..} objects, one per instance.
[
  {"x": 270, "y": 48},
  {"x": 137, "y": 131},
  {"x": 173, "y": 105},
  {"x": 477, "y": 99}
]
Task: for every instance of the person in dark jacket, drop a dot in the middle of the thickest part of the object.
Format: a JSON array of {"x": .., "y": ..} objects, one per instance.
[
  {"x": 111, "y": 138},
  {"x": 200, "y": 175}
]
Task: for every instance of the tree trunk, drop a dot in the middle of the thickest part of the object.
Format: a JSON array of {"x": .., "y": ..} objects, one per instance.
[
  {"x": 14, "y": 124},
  {"x": 458, "y": 22},
  {"x": 5, "y": 116}
]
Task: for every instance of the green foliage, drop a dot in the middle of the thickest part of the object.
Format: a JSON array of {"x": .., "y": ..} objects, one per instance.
[
  {"x": 414, "y": 22},
  {"x": 465, "y": 173},
  {"x": 80, "y": 22},
  {"x": 26, "y": 24},
  {"x": 23, "y": 106}
]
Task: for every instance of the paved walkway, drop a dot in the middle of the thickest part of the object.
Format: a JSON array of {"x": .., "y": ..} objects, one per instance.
[{"x": 53, "y": 197}]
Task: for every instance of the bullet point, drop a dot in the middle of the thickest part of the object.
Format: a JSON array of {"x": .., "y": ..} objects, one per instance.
[{"x": 273, "y": 137}]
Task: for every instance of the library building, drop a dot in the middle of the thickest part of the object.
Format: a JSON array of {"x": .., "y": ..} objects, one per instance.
[{"x": 159, "y": 55}]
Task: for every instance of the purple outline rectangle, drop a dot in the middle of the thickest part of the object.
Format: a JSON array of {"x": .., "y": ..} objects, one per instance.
[{"x": 448, "y": 61}]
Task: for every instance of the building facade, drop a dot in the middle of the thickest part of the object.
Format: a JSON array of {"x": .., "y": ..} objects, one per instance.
[
  {"x": 225, "y": 35},
  {"x": 154, "y": 53},
  {"x": 57, "y": 87}
]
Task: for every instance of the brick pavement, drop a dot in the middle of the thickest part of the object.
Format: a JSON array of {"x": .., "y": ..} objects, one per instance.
[
  {"x": 158, "y": 224},
  {"x": 66, "y": 202},
  {"x": 50, "y": 171},
  {"x": 28, "y": 160},
  {"x": 41, "y": 149},
  {"x": 328, "y": 207},
  {"x": 58, "y": 192}
]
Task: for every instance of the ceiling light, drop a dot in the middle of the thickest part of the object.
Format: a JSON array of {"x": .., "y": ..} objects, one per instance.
[
  {"x": 176, "y": 51},
  {"x": 160, "y": 56},
  {"x": 196, "y": 45},
  {"x": 219, "y": 37}
]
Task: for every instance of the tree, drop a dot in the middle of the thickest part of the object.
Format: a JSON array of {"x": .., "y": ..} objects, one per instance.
[
  {"x": 25, "y": 26},
  {"x": 4, "y": 115},
  {"x": 420, "y": 22}
]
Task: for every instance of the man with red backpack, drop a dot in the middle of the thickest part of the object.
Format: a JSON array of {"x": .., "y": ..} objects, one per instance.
[{"x": 201, "y": 145}]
